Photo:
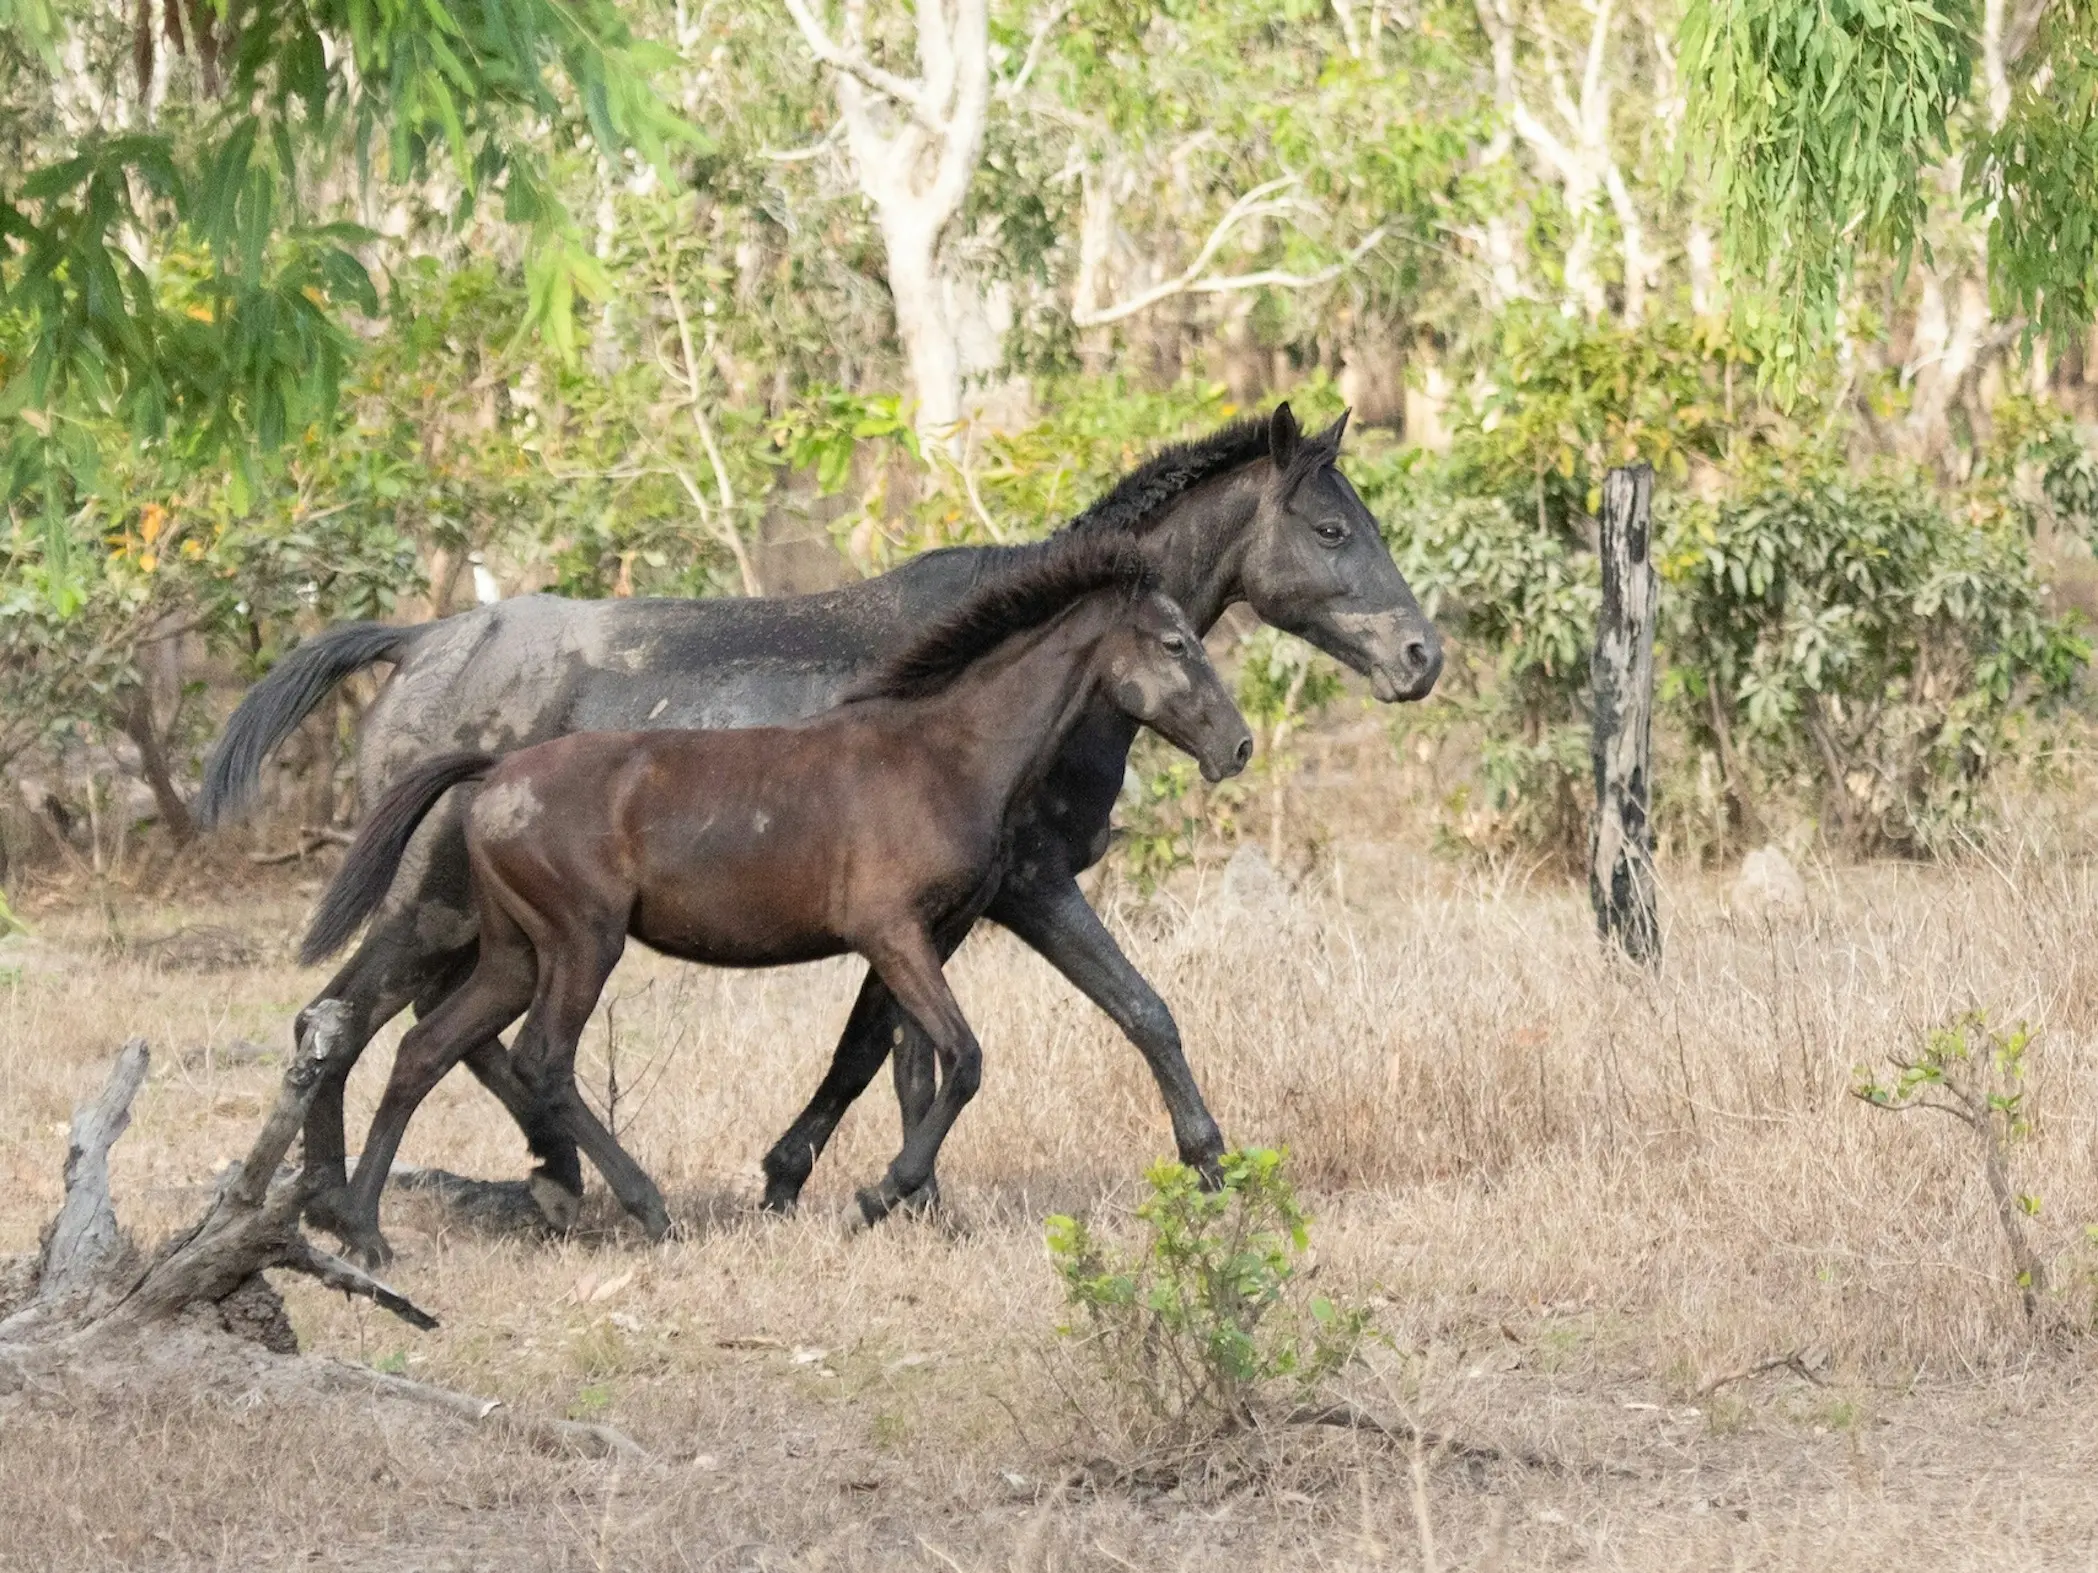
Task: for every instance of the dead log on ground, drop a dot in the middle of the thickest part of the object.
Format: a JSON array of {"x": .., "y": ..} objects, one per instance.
[{"x": 92, "y": 1296}]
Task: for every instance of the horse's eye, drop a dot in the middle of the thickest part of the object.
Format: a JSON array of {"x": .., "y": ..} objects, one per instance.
[
  {"x": 1174, "y": 644},
  {"x": 1331, "y": 532}
]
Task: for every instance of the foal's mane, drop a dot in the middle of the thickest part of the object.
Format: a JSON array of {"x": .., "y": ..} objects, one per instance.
[{"x": 1030, "y": 585}]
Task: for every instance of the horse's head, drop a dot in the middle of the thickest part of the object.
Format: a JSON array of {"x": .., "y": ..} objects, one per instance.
[
  {"x": 1155, "y": 670},
  {"x": 1315, "y": 563}
]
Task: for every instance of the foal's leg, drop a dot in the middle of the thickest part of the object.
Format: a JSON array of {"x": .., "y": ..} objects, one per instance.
[
  {"x": 376, "y": 984},
  {"x": 501, "y": 987},
  {"x": 1052, "y": 916},
  {"x": 876, "y": 1026},
  {"x": 574, "y": 966},
  {"x": 909, "y": 962}
]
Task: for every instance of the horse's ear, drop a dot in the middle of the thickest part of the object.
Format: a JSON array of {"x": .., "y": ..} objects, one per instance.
[
  {"x": 1283, "y": 438},
  {"x": 1329, "y": 439}
]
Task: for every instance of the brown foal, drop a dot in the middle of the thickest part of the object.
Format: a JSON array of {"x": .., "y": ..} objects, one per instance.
[{"x": 876, "y": 827}]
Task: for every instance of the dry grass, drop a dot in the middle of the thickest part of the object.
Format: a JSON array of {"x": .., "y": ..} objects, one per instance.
[{"x": 1577, "y": 1196}]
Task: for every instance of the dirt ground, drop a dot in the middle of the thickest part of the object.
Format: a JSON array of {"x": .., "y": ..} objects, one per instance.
[{"x": 1584, "y": 1204}]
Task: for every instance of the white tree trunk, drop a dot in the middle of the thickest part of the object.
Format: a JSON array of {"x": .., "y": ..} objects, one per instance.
[
  {"x": 915, "y": 143},
  {"x": 926, "y": 328},
  {"x": 1577, "y": 156}
]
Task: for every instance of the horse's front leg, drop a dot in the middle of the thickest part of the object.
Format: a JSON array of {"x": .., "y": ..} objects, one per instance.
[
  {"x": 1051, "y": 915},
  {"x": 877, "y": 1027}
]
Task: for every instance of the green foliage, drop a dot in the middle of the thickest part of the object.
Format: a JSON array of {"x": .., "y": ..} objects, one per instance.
[
  {"x": 2036, "y": 179},
  {"x": 229, "y": 334},
  {"x": 1975, "y": 1074},
  {"x": 1210, "y": 1314},
  {"x": 1823, "y": 117},
  {"x": 1282, "y": 681},
  {"x": 1968, "y": 1054},
  {"x": 1857, "y": 639},
  {"x": 1857, "y": 633},
  {"x": 1562, "y": 400},
  {"x": 1166, "y": 810}
]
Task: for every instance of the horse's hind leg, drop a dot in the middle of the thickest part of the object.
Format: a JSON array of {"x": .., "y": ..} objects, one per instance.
[
  {"x": 489, "y": 1000},
  {"x": 877, "y": 1027}
]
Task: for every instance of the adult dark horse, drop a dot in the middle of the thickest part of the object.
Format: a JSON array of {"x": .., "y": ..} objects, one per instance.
[
  {"x": 869, "y": 828},
  {"x": 1257, "y": 512}
]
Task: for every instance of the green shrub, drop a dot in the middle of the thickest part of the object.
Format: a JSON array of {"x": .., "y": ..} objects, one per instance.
[
  {"x": 1209, "y": 1315},
  {"x": 1858, "y": 637}
]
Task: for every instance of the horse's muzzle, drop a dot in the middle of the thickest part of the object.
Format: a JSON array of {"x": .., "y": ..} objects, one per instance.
[
  {"x": 1214, "y": 770},
  {"x": 1411, "y": 672}
]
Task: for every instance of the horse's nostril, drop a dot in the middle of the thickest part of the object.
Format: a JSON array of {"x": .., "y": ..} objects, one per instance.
[
  {"x": 1416, "y": 652},
  {"x": 1245, "y": 750}
]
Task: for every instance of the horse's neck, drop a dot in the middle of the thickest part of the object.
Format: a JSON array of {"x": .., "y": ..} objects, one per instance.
[
  {"x": 1198, "y": 546},
  {"x": 1013, "y": 712}
]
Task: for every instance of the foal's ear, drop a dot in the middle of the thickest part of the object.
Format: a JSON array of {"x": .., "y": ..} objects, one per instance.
[{"x": 1283, "y": 438}]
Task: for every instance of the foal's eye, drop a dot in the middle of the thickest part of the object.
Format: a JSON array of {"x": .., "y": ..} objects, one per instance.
[
  {"x": 1331, "y": 532},
  {"x": 1174, "y": 644}
]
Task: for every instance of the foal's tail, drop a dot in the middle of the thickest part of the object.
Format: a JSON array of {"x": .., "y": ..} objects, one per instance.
[
  {"x": 277, "y": 704},
  {"x": 375, "y": 856}
]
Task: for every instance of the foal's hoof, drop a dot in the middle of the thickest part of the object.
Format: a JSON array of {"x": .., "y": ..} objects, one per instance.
[{"x": 558, "y": 1205}]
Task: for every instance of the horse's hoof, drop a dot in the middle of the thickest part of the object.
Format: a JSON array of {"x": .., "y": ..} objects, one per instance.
[
  {"x": 558, "y": 1205},
  {"x": 369, "y": 1250},
  {"x": 869, "y": 1206},
  {"x": 922, "y": 1203}
]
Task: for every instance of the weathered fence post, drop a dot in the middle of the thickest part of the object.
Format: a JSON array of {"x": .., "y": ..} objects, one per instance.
[{"x": 1621, "y": 861}]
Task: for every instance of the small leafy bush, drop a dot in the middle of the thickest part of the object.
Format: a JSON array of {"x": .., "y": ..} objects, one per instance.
[
  {"x": 1859, "y": 639},
  {"x": 1975, "y": 1074},
  {"x": 1209, "y": 1315}
]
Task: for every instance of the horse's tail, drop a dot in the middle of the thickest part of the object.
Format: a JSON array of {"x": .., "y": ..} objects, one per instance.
[
  {"x": 277, "y": 704},
  {"x": 375, "y": 856}
]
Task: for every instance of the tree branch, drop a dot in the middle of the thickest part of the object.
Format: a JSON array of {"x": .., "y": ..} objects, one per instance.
[
  {"x": 1191, "y": 280},
  {"x": 1018, "y": 85},
  {"x": 853, "y": 63}
]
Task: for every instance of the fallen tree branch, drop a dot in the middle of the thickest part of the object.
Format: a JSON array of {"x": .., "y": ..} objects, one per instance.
[
  {"x": 88, "y": 1292},
  {"x": 1795, "y": 1362},
  {"x": 309, "y": 843},
  {"x": 84, "y": 1236},
  {"x": 1353, "y": 1417},
  {"x": 560, "y": 1436}
]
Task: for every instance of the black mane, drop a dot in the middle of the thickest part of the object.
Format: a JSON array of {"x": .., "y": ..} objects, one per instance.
[
  {"x": 1031, "y": 585},
  {"x": 1140, "y": 497}
]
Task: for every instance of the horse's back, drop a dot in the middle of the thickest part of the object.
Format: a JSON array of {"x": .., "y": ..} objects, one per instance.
[{"x": 518, "y": 672}]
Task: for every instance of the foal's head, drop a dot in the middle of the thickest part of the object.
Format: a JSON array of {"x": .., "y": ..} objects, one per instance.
[
  {"x": 1139, "y": 650},
  {"x": 1152, "y": 665}
]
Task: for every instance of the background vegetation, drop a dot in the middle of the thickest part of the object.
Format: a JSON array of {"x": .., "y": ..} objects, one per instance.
[{"x": 323, "y": 310}]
